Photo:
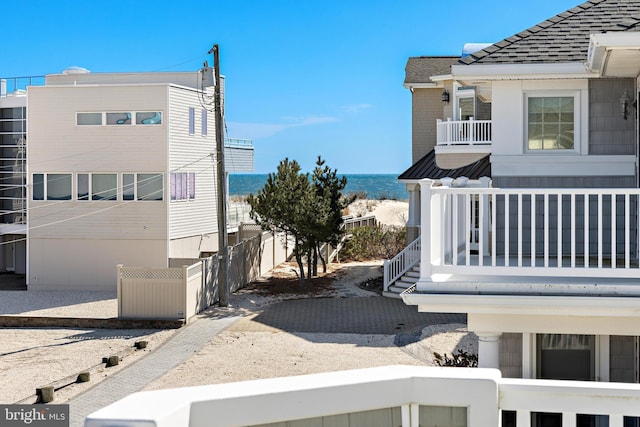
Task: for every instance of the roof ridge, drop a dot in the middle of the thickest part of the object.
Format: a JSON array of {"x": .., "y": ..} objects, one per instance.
[{"x": 470, "y": 59}]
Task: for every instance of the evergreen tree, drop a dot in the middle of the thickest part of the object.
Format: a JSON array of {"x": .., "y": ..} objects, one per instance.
[
  {"x": 310, "y": 211},
  {"x": 279, "y": 205}
]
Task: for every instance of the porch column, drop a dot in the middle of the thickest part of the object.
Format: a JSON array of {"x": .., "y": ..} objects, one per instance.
[
  {"x": 413, "y": 221},
  {"x": 489, "y": 349},
  {"x": 425, "y": 232}
]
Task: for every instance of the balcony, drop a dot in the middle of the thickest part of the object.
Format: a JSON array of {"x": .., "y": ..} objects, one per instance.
[
  {"x": 546, "y": 235},
  {"x": 463, "y": 136}
]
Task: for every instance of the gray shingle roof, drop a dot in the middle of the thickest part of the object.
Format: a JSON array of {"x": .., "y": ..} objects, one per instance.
[
  {"x": 564, "y": 37},
  {"x": 420, "y": 69}
]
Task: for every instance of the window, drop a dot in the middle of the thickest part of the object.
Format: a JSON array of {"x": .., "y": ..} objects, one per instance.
[
  {"x": 59, "y": 186},
  {"x": 550, "y": 123},
  {"x": 150, "y": 186},
  {"x": 128, "y": 186},
  {"x": 104, "y": 186},
  {"x": 204, "y": 122},
  {"x": 118, "y": 118},
  {"x": 38, "y": 186},
  {"x": 149, "y": 118},
  {"x": 52, "y": 186},
  {"x": 566, "y": 357},
  {"x": 83, "y": 186},
  {"x": 89, "y": 119},
  {"x": 183, "y": 186},
  {"x": 192, "y": 121}
]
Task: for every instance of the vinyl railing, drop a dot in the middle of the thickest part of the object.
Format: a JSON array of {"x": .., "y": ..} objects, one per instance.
[
  {"x": 406, "y": 396},
  {"x": 463, "y": 132},
  {"x": 397, "y": 266},
  {"x": 539, "y": 232}
]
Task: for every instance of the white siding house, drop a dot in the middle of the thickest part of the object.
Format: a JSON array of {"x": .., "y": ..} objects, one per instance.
[{"x": 121, "y": 170}]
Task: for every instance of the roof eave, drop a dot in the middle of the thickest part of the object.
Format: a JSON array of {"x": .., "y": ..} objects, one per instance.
[{"x": 488, "y": 72}]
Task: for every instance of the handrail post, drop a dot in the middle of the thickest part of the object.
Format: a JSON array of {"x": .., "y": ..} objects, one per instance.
[{"x": 429, "y": 240}]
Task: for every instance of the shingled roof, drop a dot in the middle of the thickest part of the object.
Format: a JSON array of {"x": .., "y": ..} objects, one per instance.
[
  {"x": 426, "y": 167},
  {"x": 563, "y": 38},
  {"x": 419, "y": 69}
]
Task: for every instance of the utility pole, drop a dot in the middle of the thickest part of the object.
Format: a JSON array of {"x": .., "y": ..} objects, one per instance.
[{"x": 223, "y": 240}]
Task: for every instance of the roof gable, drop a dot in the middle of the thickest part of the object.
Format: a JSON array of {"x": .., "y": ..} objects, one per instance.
[
  {"x": 564, "y": 37},
  {"x": 420, "y": 69}
]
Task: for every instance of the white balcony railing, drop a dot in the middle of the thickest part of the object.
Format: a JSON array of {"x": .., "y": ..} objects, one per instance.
[
  {"x": 405, "y": 396},
  {"x": 463, "y": 132},
  {"x": 530, "y": 232}
]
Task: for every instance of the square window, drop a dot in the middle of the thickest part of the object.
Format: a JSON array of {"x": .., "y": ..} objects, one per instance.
[
  {"x": 150, "y": 186},
  {"x": 59, "y": 186},
  {"x": 104, "y": 186},
  {"x": 550, "y": 123}
]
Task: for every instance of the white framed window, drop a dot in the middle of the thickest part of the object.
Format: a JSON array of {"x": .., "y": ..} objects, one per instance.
[
  {"x": 148, "y": 118},
  {"x": 183, "y": 186},
  {"x": 118, "y": 119},
  {"x": 89, "y": 119},
  {"x": 192, "y": 121},
  {"x": 82, "y": 186},
  {"x": 204, "y": 123},
  {"x": 104, "y": 186},
  {"x": 149, "y": 186},
  {"x": 142, "y": 186},
  {"x": 51, "y": 186},
  {"x": 551, "y": 122},
  {"x": 129, "y": 118}
]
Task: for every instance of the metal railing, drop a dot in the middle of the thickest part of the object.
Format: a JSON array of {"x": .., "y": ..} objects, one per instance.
[
  {"x": 238, "y": 142},
  {"x": 463, "y": 132},
  {"x": 10, "y": 85},
  {"x": 397, "y": 266}
]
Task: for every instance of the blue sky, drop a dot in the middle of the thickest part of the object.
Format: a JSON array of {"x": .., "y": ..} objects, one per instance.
[{"x": 304, "y": 77}]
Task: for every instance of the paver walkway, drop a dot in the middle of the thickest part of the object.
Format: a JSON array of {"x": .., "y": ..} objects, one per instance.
[{"x": 364, "y": 315}]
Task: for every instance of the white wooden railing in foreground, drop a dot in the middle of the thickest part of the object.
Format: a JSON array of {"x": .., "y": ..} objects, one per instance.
[
  {"x": 395, "y": 267},
  {"x": 405, "y": 396},
  {"x": 530, "y": 232},
  {"x": 463, "y": 132}
]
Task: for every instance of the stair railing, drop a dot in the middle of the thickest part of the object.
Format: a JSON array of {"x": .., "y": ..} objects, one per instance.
[{"x": 397, "y": 266}]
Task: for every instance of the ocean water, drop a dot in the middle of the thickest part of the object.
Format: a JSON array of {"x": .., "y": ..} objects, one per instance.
[{"x": 383, "y": 186}]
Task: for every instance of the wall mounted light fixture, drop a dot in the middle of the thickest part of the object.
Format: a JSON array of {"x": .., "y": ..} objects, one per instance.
[
  {"x": 445, "y": 96},
  {"x": 624, "y": 104}
]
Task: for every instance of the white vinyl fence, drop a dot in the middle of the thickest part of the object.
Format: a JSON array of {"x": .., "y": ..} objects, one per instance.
[{"x": 189, "y": 286}]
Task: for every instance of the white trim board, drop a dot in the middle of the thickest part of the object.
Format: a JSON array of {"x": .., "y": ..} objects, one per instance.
[{"x": 551, "y": 164}]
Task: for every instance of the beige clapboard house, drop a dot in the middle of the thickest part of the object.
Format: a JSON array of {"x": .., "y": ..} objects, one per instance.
[{"x": 121, "y": 170}]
